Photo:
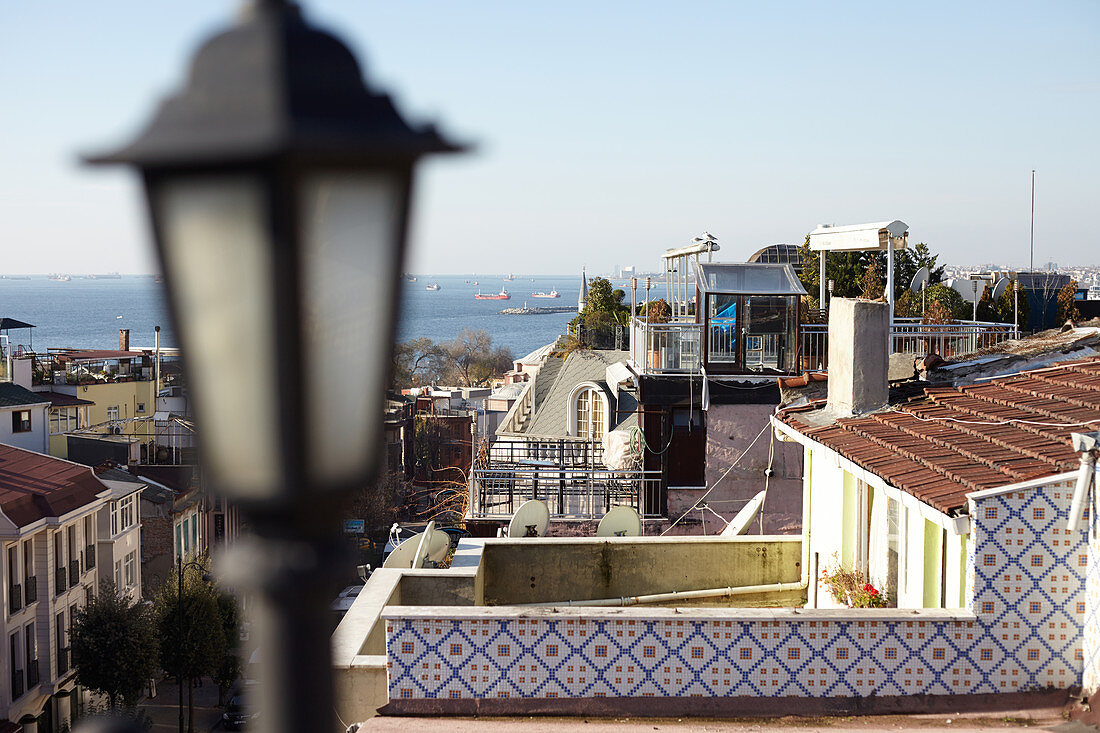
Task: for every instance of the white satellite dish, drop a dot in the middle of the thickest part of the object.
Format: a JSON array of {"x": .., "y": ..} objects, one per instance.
[
  {"x": 920, "y": 279},
  {"x": 1000, "y": 288},
  {"x": 427, "y": 545},
  {"x": 530, "y": 520},
  {"x": 620, "y": 521},
  {"x": 740, "y": 523}
]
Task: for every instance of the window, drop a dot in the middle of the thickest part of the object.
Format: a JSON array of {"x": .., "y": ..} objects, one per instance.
[
  {"x": 122, "y": 514},
  {"x": 112, "y": 412},
  {"x": 28, "y": 559},
  {"x": 21, "y": 421},
  {"x": 16, "y": 669},
  {"x": 589, "y": 414},
  {"x": 195, "y": 532},
  {"x": 59, "y": 633},
  {"x": 59, "y": 561},
  {"x": 118, "y": 574},
  {"x": 63, "y": 420},
  {"x": 130, "y": 569},
  {"x": 141, "y": 407},
  {"x": 179, "y": 540},
  {"x": 30, "y": 645}
]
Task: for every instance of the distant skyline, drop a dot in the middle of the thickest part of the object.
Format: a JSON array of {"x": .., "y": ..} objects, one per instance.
[{"x": 605, "y": 133}]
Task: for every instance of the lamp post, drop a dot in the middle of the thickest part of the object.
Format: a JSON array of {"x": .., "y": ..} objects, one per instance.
[
  {"x": 181, "y": 566},
  {"x": 278, "y": 186},
  {"x": 633, "y": 297},
  {"x": 831, "y": 285}
]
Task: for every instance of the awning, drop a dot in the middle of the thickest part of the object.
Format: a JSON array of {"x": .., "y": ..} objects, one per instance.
[{"x": 748, "y": 278}]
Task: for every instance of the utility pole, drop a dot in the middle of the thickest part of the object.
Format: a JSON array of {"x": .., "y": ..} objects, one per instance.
[{"x": 1031, "y": 268}]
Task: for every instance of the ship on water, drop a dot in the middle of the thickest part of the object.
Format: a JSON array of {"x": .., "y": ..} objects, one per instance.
[
  {"x": 502, "y": 295},
  {"x": 551, "y": 294},
  {"x": 433, "y": 286}
]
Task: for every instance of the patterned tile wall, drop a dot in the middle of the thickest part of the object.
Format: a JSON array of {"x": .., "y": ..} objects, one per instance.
[{"x": 1025, "y": 586}]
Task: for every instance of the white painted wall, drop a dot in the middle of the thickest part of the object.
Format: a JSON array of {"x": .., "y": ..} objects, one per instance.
[{"x": 37, "y": 439}]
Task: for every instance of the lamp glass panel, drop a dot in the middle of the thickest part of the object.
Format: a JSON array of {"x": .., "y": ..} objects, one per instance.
[
  {"x": 351, "y": 224},
  {"x": 217, "y": 258}
]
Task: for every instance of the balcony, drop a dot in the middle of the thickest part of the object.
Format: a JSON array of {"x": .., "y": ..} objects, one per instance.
[
  {"x": 89, "y": 557},
  {"x": 32, "y": 673},
  {"x": 74, "y": 573},
  {"x": 60, "y": 576},
  {"x": 30, "y": 589},
  {"x": 62, "y": 660},
  {"x": 567, "y": 474},
  {"x": 676, "y": 347},
  {"x": 16, "y": 683},
  {"x": 15, "y": 597}
]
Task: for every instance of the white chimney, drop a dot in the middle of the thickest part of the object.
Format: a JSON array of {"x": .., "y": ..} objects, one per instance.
[{"x": 859, "y": 356}]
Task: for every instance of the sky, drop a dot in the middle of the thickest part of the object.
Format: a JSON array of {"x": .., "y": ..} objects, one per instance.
[{"x": 606, "y": 132}]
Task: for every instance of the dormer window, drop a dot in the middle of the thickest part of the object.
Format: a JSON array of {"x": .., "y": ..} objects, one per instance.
[{"x": 589, "y": 414}]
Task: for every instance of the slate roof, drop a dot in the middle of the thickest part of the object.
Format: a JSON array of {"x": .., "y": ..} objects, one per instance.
[
  {"x": 60, "y": 399},
  {"x": 559, "y": 377},
  {"x": 13, "y": 395},
  {"x": 34, "y": 486},
  {"x": 956, "y": 440}
]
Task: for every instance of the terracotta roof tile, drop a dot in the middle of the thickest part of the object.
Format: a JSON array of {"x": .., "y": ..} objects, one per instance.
[
  {"x": 955, "y": 440},
  {"x": 34, "y": 486}
]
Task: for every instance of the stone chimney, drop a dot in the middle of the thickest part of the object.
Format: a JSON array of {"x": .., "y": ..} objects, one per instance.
[
  {"x": 859, "y": 356},
  {"x": 123, "y": 339}
]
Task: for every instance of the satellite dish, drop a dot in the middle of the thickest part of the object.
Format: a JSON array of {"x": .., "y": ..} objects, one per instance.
[
  {"x": 427, "y": 545},
  {"x": 920, "y": 279},
  {"x": 740, "y": 523},
  {"x": 620, "y": 521},
  {"x": 1000, "y": 288},
  {"x": 530, "y": 520}
]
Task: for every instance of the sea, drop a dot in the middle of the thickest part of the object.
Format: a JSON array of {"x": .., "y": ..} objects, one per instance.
[{"x": 88, "y": 313}]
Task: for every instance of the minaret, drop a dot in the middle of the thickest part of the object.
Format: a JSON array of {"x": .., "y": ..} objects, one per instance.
[{"x": 583, "y": 297}]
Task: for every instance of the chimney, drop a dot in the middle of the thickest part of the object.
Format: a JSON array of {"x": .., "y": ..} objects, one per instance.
[
  {"x": 859, "y": 357},
  {"x": 123, "y": 339}
]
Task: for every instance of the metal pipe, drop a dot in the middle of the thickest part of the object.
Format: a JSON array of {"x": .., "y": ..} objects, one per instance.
[
  {"x": 675, "y": 595},
  {"x": 1081, "y": 491}
]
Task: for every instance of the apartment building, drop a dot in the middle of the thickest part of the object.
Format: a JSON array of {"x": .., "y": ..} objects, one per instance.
[{"x": 59, "y": 527}]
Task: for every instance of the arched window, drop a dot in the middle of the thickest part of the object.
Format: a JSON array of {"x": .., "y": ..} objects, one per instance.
[{"x": 589, "y": 414}]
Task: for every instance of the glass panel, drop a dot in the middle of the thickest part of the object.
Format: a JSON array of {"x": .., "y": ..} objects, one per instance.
[
  {"x": 350, "y": 250},
  {"x": 722, "y": 328},
  {"x": 597, "y": 417},
  {"x": 216, "y": 253},
  {"x": 769, "y": 333},
  {"x": 582, "y": 414}
]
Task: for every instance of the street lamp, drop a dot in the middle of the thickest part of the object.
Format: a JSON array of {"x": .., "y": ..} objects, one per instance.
[
  {"x": 181, "y": 566},
  {"x": 278, "y": 186}
]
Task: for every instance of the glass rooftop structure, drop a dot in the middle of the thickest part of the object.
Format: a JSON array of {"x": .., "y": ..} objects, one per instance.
[{"x": 779, "y": 254}]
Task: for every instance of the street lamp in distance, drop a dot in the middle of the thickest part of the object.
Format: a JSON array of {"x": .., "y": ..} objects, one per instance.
[{"x": 278, "y": 187}]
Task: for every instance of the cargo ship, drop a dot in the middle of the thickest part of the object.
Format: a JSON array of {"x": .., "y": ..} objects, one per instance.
[
  {"x": 502, "y": 295},
  {"x": 551, "y": 294}
]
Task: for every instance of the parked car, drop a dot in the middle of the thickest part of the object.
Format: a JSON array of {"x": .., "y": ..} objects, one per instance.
[{"x": 238, "y": 712}]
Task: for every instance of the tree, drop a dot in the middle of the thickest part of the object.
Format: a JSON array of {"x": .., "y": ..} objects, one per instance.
[
  {"x": 603, "y": 314},
  {"x": 1007, "y": 304},
  {"x": 192, "y": 637},
  {"x": 113, "y": 645},
  {"x": 230, "y": 668},
  {"x": 417, "y": 362},
  {"x": 1067, "y": 305},
  {"x": 871, "y": 285},
  {"x": 948, "y": 303},
  {"x": 986, "y": 309},
  {"x": 471, "y": 359},
  {"x": 847, "y": 269}
]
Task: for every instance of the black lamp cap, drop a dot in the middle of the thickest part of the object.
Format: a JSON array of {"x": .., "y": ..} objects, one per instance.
[{"x": 270, "y": 88}]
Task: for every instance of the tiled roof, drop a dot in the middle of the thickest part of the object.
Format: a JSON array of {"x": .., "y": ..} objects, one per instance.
[
  {"x": 60, "y": 399},
  {"x": 550, "y": 415},
  {"x": 13, "y": 395},
  {"x": 957, "y": 440},
  {"x": 34, "y": 486}
]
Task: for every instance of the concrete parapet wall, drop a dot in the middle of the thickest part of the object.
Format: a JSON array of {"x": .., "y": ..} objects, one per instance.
[{"x": 574, "y": 569}]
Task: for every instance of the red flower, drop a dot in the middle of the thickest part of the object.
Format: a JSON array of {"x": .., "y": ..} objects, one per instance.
[{"x": 870, "y": 589}]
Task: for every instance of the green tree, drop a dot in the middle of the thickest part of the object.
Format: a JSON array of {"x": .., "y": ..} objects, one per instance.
[
  {"x": 1010, "y": 299},
  {"x": 871, "y": 285},
  {"x": 846, "y": 269},
  {"x": 948, "y": 302},
  {"x": 230, "y": 668},
  {"x": 113, "y": 645},
  {"x": 986, "y": 308},
  {"x": 603, "y": 314},
  {"x": 192, "y": 637},
  {"x": 1067, "y": 304}
]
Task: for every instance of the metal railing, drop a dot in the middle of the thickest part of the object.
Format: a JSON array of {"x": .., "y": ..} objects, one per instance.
[
  {"x": 15, "y": 597},
  {"x": 562, "y": 452},
  {"x": 16, "y": 683},
  {"x": 32, "y": 673},
  {"x": 74, "y": 573},
  {"x": 674, "y": 348},
  {"x": 62, "y": 660},
  {"x": 89, "y": 557},
  {"x": 60, "y": 576},
  {"x": 31, "y": 589},
  {"x": 666, "y": 348},
  {"x": 575, "y": 493}
]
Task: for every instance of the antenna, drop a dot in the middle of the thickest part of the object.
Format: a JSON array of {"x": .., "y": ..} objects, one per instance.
[
  {"x": 620, "y": 521},
  {"x": 530, "y": 520},
  {"x": 428, "y": 545},
  {"x": 920, "y": 279},
  {"x": 740, "y": 523}
]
